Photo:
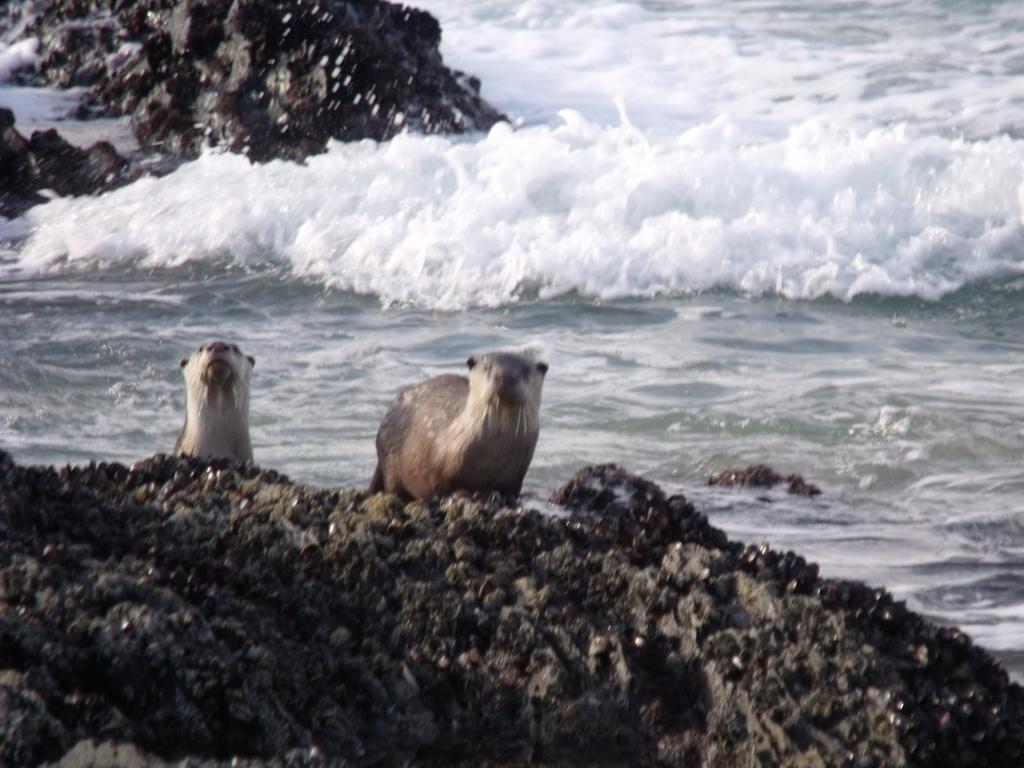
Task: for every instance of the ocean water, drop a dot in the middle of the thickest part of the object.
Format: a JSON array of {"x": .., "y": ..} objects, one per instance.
[{"x": 748, "y": 231}]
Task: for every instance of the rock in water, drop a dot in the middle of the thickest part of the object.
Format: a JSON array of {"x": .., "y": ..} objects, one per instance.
[
  {"x": 45, "y": 161},
  {"x": 763, "y": 476},
  {"x": 184, "y": 610},
  {"x": 269, "y": 78}
]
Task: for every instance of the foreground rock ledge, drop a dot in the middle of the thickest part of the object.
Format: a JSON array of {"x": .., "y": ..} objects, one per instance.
[{"x": 185, "y": 611}]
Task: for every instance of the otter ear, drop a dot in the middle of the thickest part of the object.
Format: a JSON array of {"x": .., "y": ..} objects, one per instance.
[
  {"x": 542, "y": 367},
  {"x": 252, "y": 360},
  {"x": 183, "y": 362},
  {"x": 470, "y": 362}
]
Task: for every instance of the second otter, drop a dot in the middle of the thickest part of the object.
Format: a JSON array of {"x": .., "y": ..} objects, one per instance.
[
  {"x": 216, "y": 403},
  {"x": 451, "y": 433}
]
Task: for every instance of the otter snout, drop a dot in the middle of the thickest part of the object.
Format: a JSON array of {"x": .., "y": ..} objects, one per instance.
[
  {"x": 507, "y": 379},
  {"x": 508, "y": 385},
  {"x": 218, "y": 362},
  {"x": 218, "y": 367}
]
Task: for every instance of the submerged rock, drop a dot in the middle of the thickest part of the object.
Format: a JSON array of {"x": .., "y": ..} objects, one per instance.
[
  {"x": 47, "y": 162},
  {"x": 215, "y": 612},
  {"x": 269, "y": 78},
  {"x": 763, "y": 476}
]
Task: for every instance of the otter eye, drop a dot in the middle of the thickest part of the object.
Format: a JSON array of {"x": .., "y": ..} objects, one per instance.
[
  {"x": 235, "y": 348},
  {"x": 542, "y": 367},
  {"x": 470, "y": 363}
]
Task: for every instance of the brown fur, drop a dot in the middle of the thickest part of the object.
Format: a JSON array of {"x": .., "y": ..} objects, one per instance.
[{"x": 450, "y": 433}]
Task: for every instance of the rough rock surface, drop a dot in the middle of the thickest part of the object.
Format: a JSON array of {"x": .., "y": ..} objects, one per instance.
[
  {"x": 45, "y": 161},
  {"x": 763, "y": 476},
  {"x": 271, "y": 78},
  {"x": 184, "y": 610}
]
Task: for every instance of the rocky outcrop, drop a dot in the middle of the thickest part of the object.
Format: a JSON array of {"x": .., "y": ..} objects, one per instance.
[
  {"x": 46, "y": 161},
  {"x": 763, "y": 476},
  {"x": 270, "y": 78},
  {"x": 213, "y": 612}
]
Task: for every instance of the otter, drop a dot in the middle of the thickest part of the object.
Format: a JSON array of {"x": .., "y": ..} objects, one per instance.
[
  {"x": 450, "y": 433},
  {"x": 217, "y": 378}
]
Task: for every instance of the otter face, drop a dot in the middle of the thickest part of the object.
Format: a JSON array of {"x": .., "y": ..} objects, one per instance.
[
  {"x": 506, "y": 379},
  {"x": 217, "y": 366}
]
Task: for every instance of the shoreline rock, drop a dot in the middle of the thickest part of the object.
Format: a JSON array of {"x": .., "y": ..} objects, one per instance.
[
  {"x": 267, "y": 78},
  {"x": 763, "y": 476},
  {"x": 46, "y": 161},
  {"x": 207, "y": 611}
]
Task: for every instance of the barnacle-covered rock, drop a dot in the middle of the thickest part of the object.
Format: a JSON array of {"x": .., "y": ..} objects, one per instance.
[{"x": 219, "y": 614}]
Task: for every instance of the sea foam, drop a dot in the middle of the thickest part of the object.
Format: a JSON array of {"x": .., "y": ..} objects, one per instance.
[
  {"x": 20, "y": 55},
  {"x": 950, "y": 68},
  {"x": 609, "y": 212},
  {"x": 664, "y": 150}
]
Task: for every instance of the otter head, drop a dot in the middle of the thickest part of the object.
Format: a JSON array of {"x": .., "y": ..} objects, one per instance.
[
  {"x": 218, "y": 374},
  {"x": 508, "y": 386}
]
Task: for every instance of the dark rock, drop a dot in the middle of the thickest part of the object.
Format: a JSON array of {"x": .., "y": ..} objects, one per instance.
[
  {"x": 763, "y": 476},
  {"x": 624, "y": 508},
  {"x": 46, "y": 161},
  {"x": 270, "y": 78},
  {"x": 219, "y": 614}
]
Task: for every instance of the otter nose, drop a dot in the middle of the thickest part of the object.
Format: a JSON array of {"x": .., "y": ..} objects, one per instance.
[
  {"x": 218, "y": 346},
  {"x": 505, "y": 382}
]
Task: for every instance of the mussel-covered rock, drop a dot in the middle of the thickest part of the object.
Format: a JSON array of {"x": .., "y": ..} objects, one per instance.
[
  {"x": 217, "y": 613},
  {"x": 763, "y": 476}
]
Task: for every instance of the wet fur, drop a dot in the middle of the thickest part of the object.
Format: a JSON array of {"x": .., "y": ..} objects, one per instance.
[{"x": 451, "y": 433}]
